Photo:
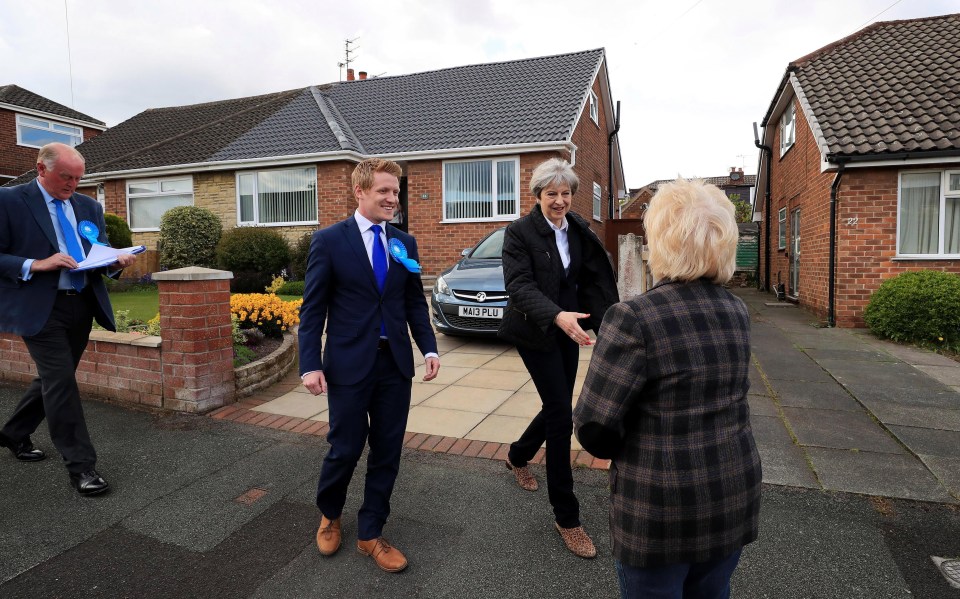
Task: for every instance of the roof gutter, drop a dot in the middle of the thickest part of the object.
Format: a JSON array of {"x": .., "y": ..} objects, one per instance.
[
  {"x": 54, "y": 117},
  {"x": 766, "y": 210},
  {"x": 251, "y": 163},
  {"x": 838, "y": 158},
  {"x": 832, "y": 276},
  {"x": 610, "y": 160}
]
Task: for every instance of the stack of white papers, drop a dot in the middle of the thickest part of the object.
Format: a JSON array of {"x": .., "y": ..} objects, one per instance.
[{"x": 101, "y": 255}]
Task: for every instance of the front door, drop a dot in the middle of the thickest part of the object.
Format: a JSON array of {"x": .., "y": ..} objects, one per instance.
[{"x": 794, "y": 290}]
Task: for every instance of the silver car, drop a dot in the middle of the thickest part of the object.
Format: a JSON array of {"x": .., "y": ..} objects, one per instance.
[{"x": 469, "y": 297}]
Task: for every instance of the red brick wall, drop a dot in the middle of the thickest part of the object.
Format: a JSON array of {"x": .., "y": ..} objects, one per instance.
[
  {"x": 15, "y": 159},
  {"x": 796, "y": 182},
  {"x": 866, "y": 240},
  {"x": 111, "y": 370}
]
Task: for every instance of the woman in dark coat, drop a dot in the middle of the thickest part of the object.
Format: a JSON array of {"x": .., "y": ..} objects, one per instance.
[
  {"x": 665, "y": 399},
  {"x": 560, "y": 281}
]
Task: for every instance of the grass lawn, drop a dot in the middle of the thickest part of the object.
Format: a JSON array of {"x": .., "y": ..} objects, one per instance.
[{"x": 142, "y": 303}]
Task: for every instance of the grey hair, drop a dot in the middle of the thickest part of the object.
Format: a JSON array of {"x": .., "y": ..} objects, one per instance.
[
  {"x": 50, "y": 153},
  {"x": 553, "y": 172}
]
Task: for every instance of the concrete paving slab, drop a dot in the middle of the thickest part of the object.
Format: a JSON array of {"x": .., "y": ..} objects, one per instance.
[
  {"x": 444, "y": 422},
  {"x": 948, "y": 375},
  {"x": 491, "y": 347},
  {"x": 420, "y": 391},
  {"x": 511, "y": 363},
  {"x": 761, "y": 405},
  {"x": 945, "y": 469},
  {"x": 783, "y": 461},
  {"x": 298, "y": 405},
  {"x": 465, "y": 360},
  {"x": 470, "y": 399},
  {"x": 447, "y": 375},
  {"x": 824, "y": 395},
  {"x": 885, "y": 375},
  {"x": 934, "y": 396},
  {"x": 499, "y": 428},
  {"x": 883, "y": 474},
  {"x": 500, "y": 379},
  {"x": 839, "y": 430},
  {"x": 856, "y": 353},
  {"x": 929, "y": 441},
  {"x": 920, "y": 416},
  {"x": 521, "y": 404}
]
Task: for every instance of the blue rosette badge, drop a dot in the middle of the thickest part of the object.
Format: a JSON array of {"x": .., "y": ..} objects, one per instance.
[
  {"x": 398, "y": 252},
  {"x": 90, "y": 232}
]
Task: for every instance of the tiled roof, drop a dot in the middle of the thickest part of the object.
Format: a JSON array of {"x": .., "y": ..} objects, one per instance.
[
  {"x": 17, "y": 96},
  {"x": 464, "y": 107},
  {"x": 724, "y": 181},
  {"x": 892, "y": 87}
]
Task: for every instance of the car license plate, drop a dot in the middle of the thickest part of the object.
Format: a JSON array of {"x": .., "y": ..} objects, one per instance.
[{"x": 481, "y": 312}]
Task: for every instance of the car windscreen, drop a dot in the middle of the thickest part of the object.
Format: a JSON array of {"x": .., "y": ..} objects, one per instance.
[{"x": 489, "y": 248}]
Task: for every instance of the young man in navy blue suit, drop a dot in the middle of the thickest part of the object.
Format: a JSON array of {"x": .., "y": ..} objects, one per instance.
[
  {"x": 51, "y": 308},
  {"x": 366, "y": 299}
]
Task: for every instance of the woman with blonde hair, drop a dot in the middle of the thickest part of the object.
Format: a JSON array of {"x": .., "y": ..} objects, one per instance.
[{"x": 665, "y": 399}]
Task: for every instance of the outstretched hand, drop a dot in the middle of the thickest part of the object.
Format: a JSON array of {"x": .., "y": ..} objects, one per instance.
[{"x": 567, "y": 322}]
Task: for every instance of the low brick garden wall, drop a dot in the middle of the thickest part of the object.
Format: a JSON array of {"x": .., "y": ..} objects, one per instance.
[{"x": 258, "y": 375}]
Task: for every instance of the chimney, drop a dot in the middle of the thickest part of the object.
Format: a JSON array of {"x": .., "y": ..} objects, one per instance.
[
  {"x": 363, "y": 75},
  {"x": 349, "y": 74}
]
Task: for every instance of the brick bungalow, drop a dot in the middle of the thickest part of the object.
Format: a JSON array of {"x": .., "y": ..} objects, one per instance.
[
  {"x": 467, "y": 139},
  {"x": 735, "y": 184},
  {"x": 859, "y": 175},
  {"x": 28, "y": 121}
]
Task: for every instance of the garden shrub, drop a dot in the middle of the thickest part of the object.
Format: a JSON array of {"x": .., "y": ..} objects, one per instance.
[
  {"x": 920, "y": 307},
  {"x": 291, "y": 288},
  {"x": 266, "y": 312},
  {"x": 118, "y": 233},
  {"x": 254, "y": 255},
  {"x": 188, "y": 237},
  {"x": 298, "y": 257}
]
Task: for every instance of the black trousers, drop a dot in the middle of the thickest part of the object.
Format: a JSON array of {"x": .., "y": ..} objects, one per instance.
[
  {"x": 56, "y": 350},
  {"x": 554, "y": 373},
  {"x": 373, "y": 410}
]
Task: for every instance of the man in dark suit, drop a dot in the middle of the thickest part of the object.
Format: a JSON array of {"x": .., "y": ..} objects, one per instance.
[
  {"x": 366, "y": 297},
  {"x": 52, "y": 308}
]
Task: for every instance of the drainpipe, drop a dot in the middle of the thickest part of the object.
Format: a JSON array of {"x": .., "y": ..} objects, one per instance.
[
  {"x": 610, "y": 161},
  {"x": 831, "y": 281},
  {"x": 766, "y": 211}
]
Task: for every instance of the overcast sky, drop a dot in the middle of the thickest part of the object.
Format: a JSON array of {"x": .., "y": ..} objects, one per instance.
[{"x": 691, "y": 76}]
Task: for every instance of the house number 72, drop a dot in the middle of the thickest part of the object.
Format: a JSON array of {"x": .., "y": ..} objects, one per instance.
[{"x": 852, "y": 222}]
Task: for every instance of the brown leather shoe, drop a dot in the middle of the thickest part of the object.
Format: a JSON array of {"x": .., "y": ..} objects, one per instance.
[
  {"x": 328, "y": 535},
  {"x": 577, "y": 541},
  {"x": 524, "y": 477},
  {"x": 387, "y": 556}
]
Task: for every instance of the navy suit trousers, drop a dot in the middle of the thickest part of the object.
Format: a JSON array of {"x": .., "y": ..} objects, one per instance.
[{"x": 376, "y": 408}]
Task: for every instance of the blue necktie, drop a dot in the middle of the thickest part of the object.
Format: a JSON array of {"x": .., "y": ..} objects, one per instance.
[
  {"x": 379, "y": 266},
  {"x": 73, "y": 245}
]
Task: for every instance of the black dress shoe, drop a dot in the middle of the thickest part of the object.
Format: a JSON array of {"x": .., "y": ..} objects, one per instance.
[
  {"x": 23, "y": 450},
  {"x": 88, "y": 483}
]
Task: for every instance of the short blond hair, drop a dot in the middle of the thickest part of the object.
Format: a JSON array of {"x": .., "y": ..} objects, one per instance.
[
  {"x": 364, "y": 172},
  {"x": 691, "y": 232}
]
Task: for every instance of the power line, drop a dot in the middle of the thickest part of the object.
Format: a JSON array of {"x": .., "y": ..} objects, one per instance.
[{"x": 870, "y": 20}]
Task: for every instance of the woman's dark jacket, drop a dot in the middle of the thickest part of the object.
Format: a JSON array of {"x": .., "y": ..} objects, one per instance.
[{"x": 533, "y": 274}]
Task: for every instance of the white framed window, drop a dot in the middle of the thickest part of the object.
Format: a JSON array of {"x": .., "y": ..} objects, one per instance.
[
  {"x": 478, "y": 190},
  {"x": 277, "y": 197},
  {"x": 782, "y": 229},
  {"x": 928, "y": 214},
  {"x": 36, "y": 133},
  {"x": 594, "y": 108},
  {"x": 149, "y": 199},
  {"x": 788, "y": 128},
  {"x": 597, "y": 201}
]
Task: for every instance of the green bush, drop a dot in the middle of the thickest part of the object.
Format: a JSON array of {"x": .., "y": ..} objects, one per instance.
[
  {"x": 118, "y": 233},
  {"x": 188, "y": 237},
  {"x": 291, "y": 288},
  {"x": 254, "y": 255},
  {"x": 298, "y": 257},
  {"x": 920, "y": 307}
]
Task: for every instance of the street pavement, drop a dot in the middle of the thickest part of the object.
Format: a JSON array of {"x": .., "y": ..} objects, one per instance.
[{"x": 859, "y": 441}]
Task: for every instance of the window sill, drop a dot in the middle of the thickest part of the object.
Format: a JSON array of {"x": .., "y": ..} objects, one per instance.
[
  {"x": 495, "y": 219},
  {"x": 311, "y": 223},
  {"x": 925, "y": 258}
]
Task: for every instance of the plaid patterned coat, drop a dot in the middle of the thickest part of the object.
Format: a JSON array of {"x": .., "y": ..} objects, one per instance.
[{"x": 665, "y": 399}]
